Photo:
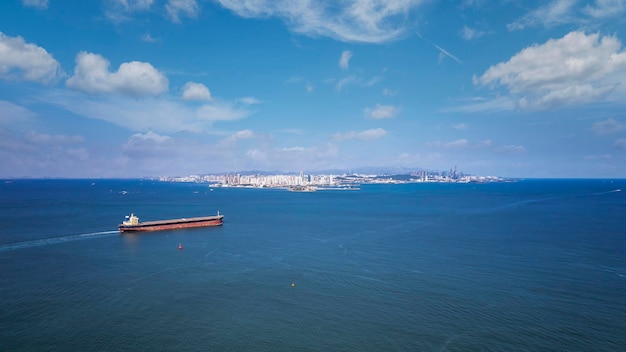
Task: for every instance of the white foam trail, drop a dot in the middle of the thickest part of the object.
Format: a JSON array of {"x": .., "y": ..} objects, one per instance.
[
  {"x": 55, "y": 240},
  {"x": 607, "y": 192}
]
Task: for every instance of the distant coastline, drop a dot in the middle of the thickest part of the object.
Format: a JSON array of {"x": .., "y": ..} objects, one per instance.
[{"x": 328, "y": 181}]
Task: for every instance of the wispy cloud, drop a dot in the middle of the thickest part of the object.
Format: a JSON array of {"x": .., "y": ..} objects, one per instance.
[
  {"x": 124, "y": 10},
  {"x": 351, "y": 21},
  {"x": 178, "y": 8},
  {"x": 12, "y": 114},
  {"x": 39, "y": 4},
  {"x": 460, "y": 126},
  {"x": 344, "y": 60},
  {"x": 605, "y": 8},
  {"x": 47, "y": 139},
  {"x": 388, "y": 92},
  {"x": 148, "y": 38},
  {"x": 481, "y": 104},
  {"x": 620, "y": 143},
  {"x": 511, "y": 149},
  {"x": 381, "y": 111},
  {"x": 344, "y": 82},
  {"x": 25, "y": 61},
  {"x": 366, "y": 135},
  {"x": 461, "y": 143},
  {"x": 559, "y": 12},
  {"x": 237, "y": 136},
  {"x": 161, "y": 115},
  {"x": 469, "y": 33},
  {"x": 598, "y": 157},
  {"x": 555, "y": 12},
  {"x": 608, "y": 126}
]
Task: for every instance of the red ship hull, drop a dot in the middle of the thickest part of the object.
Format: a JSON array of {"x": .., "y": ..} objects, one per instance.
[{"x": 173, "y": 224}]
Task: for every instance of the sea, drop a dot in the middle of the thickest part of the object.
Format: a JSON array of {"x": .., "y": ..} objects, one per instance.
[{"x": 529, "y": 265}]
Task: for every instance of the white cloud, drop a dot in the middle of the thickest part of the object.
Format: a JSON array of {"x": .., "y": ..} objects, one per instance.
[
  {"x": 249, "y": 100},
  {"x": 388, "y": 92},
  {"x": 149, "y": 136},
  {"x": 309, "y": 87},
  {"x": 366, "y": 135},
  {"x": 24, "y": 61},
  {"x": 381, "y": 111},
  {"x": 461, "y": 143},
  {"x": 577, "y": 68},
  {"x": 148, "y": 38},
  {"x": 605, "y": 8},
  {"x": 221, "y": 111},
  {"x": 608, "y": 126},
  {"x": 237, "y": 136},
  {"x": 620, "y": 143},
  {"x": 196, "y": 91},
  {"x": 344, "y": 61},
  {"x": 372, "y": 81},
  {"x": 598, "y": 157},
  {"x": 511, "y": 149},
  {"x": 135, "y": 78},
  {"x": 176, "y": 8},
  {"x": 468, "y": 33},
  {"x": 39, "y": 4},
  {"x": 344, "y": 82},
  {"x": 460, "y": 126},
  {"x": 293, "y": 149},
  {"x": 556, "y": 12},
  {"x": 351, "y": 20},
  {"x": 481, "y": 104},
  {"x": 133, "y": 5},
  {"x": 121, "y": 10},
  {"x": 51, "y": 139},
  {"x": 118, "y": 10},
  {"x": 150, "y": 145}
]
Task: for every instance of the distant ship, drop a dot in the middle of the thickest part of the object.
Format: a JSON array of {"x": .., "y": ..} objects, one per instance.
[
  {"x": 302, "y": 188},
  {"x": 132, "y": 224}
]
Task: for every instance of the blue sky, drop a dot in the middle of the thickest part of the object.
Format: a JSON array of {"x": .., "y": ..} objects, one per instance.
[{"x": 133, "y": 88}]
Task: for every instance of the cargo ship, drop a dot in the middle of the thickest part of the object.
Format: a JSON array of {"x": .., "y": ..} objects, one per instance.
[{"x": 132, "y": 224}]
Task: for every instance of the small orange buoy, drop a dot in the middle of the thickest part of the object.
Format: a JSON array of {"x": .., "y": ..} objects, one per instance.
[
  {"x": 293, "y": 284},
  {"x": 180, "y": 246}
]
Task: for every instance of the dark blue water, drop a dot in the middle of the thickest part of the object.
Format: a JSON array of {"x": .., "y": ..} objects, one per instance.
[{"x": 536, "y": 265}]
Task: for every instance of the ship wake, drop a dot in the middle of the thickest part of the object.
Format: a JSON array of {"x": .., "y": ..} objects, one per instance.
[{"x": 55, "y": 240}]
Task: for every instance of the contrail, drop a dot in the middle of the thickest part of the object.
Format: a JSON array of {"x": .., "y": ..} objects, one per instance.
[
  {"x": 441, "y": 50},
  {"x": 447, "y": 54}
]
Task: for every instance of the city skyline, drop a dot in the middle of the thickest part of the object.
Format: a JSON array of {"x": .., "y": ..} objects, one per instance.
[{"x": 140, "y": 88}]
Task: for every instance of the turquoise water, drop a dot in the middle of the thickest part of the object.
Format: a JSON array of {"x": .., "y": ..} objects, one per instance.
[{"x": 534, "y": 265}]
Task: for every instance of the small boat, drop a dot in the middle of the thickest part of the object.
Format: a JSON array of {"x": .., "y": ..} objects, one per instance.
[{"x": 132, "y": 224}]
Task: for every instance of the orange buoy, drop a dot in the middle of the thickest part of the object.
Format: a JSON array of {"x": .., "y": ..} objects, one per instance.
[{"x": 180, "y": 246}]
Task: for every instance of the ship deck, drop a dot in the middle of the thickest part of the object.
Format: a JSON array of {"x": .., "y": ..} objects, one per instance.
[{"x": 177, "y": 221}]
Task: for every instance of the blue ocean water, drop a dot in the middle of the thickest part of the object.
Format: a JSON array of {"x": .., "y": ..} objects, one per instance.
[{"x": 533, "y": 265}]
